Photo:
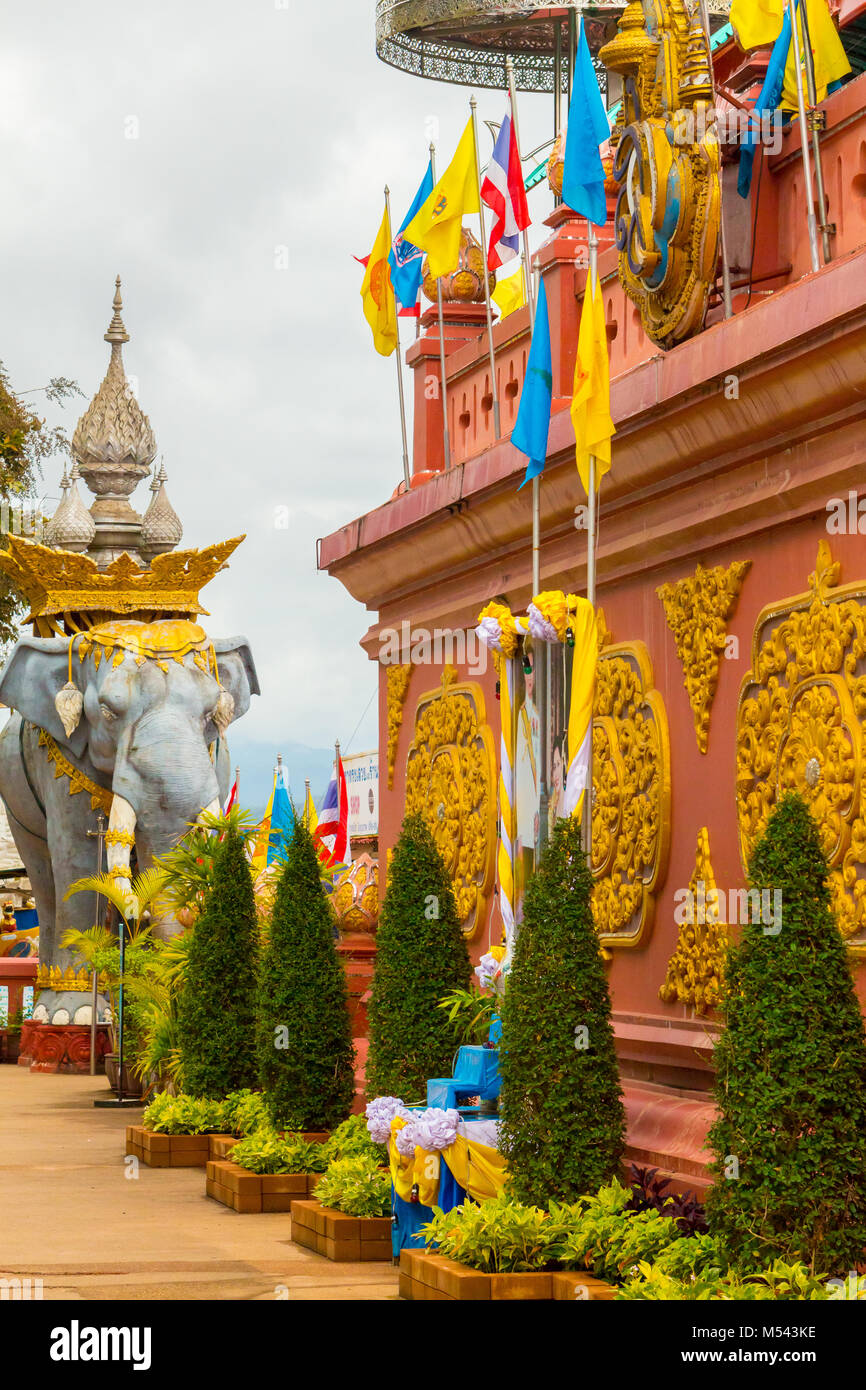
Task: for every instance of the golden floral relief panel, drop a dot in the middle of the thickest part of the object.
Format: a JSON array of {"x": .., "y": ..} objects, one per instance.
[
  {"x": 631, "y": 792},
  {"x": 800, "y": 727},
  {"x": 451, "y": 781}
]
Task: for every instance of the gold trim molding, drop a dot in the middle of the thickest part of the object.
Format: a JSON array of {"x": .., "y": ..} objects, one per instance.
[
  {"x": 698, "y": 609},
  {"x": 398, "y": 678},
  {"x": 451, "y": 781},
  {"x": 800, "y": 726},
  {"x": 631, "y": 792},
  {"x": 696, "y": 969}
]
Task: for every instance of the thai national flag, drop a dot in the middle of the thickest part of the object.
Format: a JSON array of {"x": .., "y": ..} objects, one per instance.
[
  {"x": 504, "y": 193},
  {"x": 332, "y": 833}
]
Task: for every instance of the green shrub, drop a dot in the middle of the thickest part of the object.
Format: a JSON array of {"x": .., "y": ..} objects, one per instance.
[
  {"x": 781, "y": 1282},
  {"x": 216, "y": 1006},
  {"x": 791, "y": 1072},
  {"x": 356, "y": 1186},
  {"x": 183, "y": 1115},
  {"x": 352, "y": 1137},
  {"x": 421, "y": 956},
  {"x": 266, "y": 1152},
  {"x": 306, "y": 1058},
  {"x": 501, "y": 1236},
  {"x": 562, "y": 1119},
  {"x": 244, "y": 1112}
]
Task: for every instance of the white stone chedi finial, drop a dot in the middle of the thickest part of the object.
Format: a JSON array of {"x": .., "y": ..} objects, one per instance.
[{"x": 113, "y": 448}]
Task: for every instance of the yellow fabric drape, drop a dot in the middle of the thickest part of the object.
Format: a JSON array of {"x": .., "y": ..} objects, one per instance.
[{"x": 476, "y": 1167}]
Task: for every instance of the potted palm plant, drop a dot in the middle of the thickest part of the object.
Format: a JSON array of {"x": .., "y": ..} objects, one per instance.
[{"x": 118, "y": 959}]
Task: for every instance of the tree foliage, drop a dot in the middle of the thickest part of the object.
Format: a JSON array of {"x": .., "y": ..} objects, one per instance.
[
  {"x": 421, "y": 956},
  {"x": 25, "y": 444},
  {"x": 306, "y": 1058},
  {"x": 562, "y": 1118},
  {"x": 790, "y": 1140},
  {"x": 216, "y": 1007}
]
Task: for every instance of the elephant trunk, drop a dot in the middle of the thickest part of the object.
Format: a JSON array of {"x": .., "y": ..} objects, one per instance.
[{"x": 119, "y": 841}]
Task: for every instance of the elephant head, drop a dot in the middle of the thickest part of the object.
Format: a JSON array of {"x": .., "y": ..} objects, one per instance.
[{"x": 145, "y": 704}]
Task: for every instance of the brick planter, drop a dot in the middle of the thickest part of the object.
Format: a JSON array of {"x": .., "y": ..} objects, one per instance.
[
  {"x": 425, "y": 1275},
  {"x": 340, "y": 1237},
  {"x": 243, "y": 1191},
  {"x": 173, "y": 1150}
]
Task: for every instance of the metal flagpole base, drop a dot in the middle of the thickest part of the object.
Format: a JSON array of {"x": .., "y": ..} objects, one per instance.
[{"x": 118, "y": 1102}]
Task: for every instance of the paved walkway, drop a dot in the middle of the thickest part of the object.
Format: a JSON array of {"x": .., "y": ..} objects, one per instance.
[{"x": 72, "y": 1218}]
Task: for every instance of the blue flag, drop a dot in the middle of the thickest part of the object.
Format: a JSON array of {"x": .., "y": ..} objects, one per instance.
[
  {"x": 282, "y": 818},
  {"x": 405, "y": 259},
  {"x": 588, "y": 127},
  {"x": 533, "y": 417},
  {"x": 768, "y": 99}
]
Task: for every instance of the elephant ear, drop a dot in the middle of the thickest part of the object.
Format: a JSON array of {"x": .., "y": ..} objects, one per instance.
[
  {"x": 237, "y": 672},
  {"x": 35, "y": 674}
]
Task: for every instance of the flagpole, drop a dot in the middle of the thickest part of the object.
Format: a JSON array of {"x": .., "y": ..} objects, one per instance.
[
  {"x": 527, "y": 271},
  {"x": 809, "y": 60},
  {"x": 572, "y": 54},
  {"x": 536, "y": 482},
  {"x": 339, "y": 808},
  {"x": 398, "y": 354},
  {"x": 446, "y": 442},
  {"x": 557, "y": 88},
  {"x": 804, "y": 141},
  {"x": 723, "y": 241},
  {"x": 307, "y": 802},
  {"x": 590, "y": 563},
  {"x": 493, "y": 386}
]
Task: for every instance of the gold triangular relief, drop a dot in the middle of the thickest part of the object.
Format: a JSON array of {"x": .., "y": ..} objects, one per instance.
[
  {"x": 697, "y": 610},
  {"x": 696, "y": 969}
]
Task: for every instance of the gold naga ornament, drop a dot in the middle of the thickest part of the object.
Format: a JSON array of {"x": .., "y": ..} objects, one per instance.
[{"x": 668, "y": 212}]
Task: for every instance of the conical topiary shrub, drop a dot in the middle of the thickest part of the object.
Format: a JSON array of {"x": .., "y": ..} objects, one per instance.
[
  {"x": 790, "y": 1140},
  {"x": 216, "y": 1007},
  {"x": 421, "y": 955},
  {"x": 562, "y": 1119},
  {"x": 305, "y": 1052}
]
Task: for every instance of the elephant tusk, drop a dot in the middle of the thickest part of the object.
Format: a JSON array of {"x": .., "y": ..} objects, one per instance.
[
  {"x": 120, "y": 841},
  {"x": 214, "y": 809}
]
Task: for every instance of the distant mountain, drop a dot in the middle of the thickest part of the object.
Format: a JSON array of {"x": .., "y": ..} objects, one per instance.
[{"x": 257, "y": 760}]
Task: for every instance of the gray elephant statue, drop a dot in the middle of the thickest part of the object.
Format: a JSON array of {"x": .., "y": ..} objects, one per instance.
[{"x": 145, "y": 742}]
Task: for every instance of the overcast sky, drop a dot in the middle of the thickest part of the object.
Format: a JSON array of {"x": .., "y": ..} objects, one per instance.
[{"x": 184, "y": 145}]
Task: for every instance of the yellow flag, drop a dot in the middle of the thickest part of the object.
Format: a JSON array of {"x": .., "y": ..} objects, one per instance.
[
  {"x": 260, "y": 852},
  {"x": 380, "y": 308},
  {"x": 435, "y": 228},
  {"x": 509, "y": 294},
  {"x": 828, "y": 55},
  {"x": 582, "y": 621},
  {"x": 311, "y": 820},
  {"x": 756, "y": 23},
  {"x": 590, "y": 405}
]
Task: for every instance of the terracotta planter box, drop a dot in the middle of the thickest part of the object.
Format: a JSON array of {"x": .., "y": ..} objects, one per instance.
[
  {"x": 426, "y": 1276},
  {"x": 232, "y": 1185},
  {"x": 340, "y": 1237},
  {"x": 172, "y": 1150}
]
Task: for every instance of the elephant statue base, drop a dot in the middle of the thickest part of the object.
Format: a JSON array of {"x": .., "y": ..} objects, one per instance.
[{"x": 61, "y": 1047}]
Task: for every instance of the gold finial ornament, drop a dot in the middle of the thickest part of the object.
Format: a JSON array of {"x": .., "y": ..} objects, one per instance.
[
  {"x": 696, "y": 969},
  {"x": 668, "y": 212},
  {"x": 465, "y": 285}
]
